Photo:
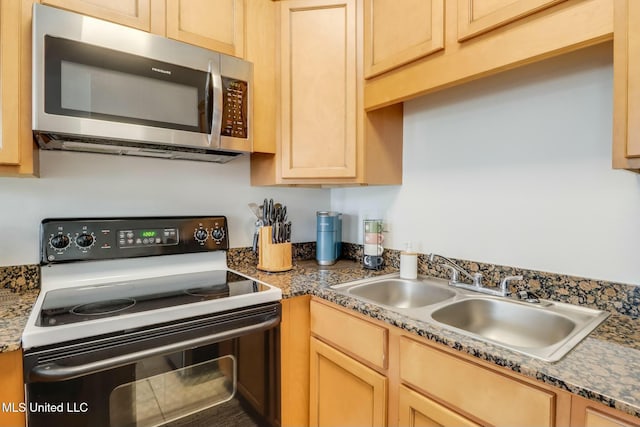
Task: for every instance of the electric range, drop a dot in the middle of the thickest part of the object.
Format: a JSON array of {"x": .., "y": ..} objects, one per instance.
[{"x": 121, "y": 295}]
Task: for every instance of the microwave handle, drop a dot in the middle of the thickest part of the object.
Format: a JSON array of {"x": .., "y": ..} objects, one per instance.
[
  {"x": 52, "y": 372},
  {"x": 213, "y": 103}
]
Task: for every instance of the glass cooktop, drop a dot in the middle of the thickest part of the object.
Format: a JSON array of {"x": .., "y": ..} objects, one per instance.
[{"x": 85, "y": 303}]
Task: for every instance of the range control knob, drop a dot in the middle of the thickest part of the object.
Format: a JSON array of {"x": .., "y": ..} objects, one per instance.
[
  {"x": 200, "y": 234},
  {"x": 217, "y": 234},
  {"x": 85, "y": 240},
  {"x": 60, "y": 241}
]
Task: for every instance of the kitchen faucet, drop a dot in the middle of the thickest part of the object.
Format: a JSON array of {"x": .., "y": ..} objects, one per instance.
[
  {"x": 476, "y": 278},
  {"x": 456, "y": 270}
]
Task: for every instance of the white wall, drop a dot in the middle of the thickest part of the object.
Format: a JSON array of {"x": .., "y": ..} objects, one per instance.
[
  {"x": 514, "y": 169},
  {"x": 81, "y": 184}
]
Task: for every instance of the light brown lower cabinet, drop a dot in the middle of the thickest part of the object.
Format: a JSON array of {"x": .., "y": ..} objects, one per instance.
[
  {"x": 343, "y": 391},
  {"x": 416, "y": 410},
  {"x": 587, "y": 413},
  {"x": 294, "y": 362},
  {"x": 11, "y": 389},
  {"x": 395, "y": 378},
  {"x": 470, "y": 388}
]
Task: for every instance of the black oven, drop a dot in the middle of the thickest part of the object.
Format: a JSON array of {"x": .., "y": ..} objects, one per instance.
[
  {"x": 213, "y": 370},
  {"x": 140, "y": 323}
]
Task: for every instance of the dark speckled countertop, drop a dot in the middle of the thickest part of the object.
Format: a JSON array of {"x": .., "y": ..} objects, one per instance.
[
  {"x": 604, "y": 367},
  {"x": 15, "y": 307}
]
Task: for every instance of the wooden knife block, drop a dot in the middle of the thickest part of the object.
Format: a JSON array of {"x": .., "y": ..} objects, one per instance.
[{"x": 273, "y": 257}]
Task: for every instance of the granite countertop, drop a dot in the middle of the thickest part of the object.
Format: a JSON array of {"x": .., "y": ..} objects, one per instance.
[
  {"x": 15, "y": 308},
  {"x": 604, "y": 367}
]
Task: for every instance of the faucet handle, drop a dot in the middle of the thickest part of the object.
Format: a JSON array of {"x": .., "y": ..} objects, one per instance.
[
  {"x": 454, "y": 274},
  {"x": 477, "y": 279},
  {"x": 504, "y": 284}
]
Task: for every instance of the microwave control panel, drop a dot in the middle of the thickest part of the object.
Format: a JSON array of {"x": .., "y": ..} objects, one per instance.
[
  {"x": 65, "y": 240},
  {"x": 235, "y": 101}
]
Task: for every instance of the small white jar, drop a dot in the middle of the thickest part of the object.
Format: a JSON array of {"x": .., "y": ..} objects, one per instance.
[{"x": 408, "y": 263}]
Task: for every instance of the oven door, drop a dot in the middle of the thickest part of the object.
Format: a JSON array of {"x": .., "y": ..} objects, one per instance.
[{"x": 213, "y": 370}]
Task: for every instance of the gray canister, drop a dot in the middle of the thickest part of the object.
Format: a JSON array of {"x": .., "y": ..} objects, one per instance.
[{"x": 328, "y": 237}]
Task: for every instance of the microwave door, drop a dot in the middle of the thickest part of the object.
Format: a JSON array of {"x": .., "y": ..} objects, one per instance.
[{"x": 98, "y": 92}]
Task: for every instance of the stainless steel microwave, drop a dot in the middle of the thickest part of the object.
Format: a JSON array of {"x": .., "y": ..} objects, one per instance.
[{"x": 103, "y": 87}]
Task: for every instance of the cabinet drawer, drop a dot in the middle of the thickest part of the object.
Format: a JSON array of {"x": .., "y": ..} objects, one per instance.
[
  {"x": 487, "y": 394},
  {"x": 356, "y": 336}
]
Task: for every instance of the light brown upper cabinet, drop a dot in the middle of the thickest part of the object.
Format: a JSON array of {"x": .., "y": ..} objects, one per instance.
[
  {"x": 324, "y": 136},
  {"x": 398, "y": 32},
  {"x": 132, "y": 13},
  {"x": 213, "y": 24},
  {"x": 626, "y": 86},
  {"x": 318, "y": 54},
  {"x": 18, "y": 154},
  {"x": 479, "y": 16},
  {"x": 484, "y": 37}
]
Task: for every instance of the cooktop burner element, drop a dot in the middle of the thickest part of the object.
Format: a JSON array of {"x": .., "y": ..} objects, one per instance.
[
  {"x": 103, "y": 307},
  {"x": 210, "y": 292}
]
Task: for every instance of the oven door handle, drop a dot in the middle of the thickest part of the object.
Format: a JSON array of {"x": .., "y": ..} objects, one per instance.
[{"x": 51, "y": 372}]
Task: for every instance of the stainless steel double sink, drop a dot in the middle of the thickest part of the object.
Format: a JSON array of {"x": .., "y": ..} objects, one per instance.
[{"x": 546, "y": 331}]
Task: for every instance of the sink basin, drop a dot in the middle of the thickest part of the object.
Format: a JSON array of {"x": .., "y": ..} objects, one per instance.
[
  {"x": 401, "y": 293},
  {"x": 506, "y": 322},
  {"x": 547, "y": 332}
]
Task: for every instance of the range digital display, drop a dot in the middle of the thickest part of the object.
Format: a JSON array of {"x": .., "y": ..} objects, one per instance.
[{"x": 147, "y": 237}]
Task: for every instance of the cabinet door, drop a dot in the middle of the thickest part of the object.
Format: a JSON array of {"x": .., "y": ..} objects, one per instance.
[
  {"x": 479, "y": 16},
  {"x": 417, "y": 410},
  {"x": 626, "y": 85},
  {"x": 9, "y": 77},
  {"x": 344, "y": 392},
  {"x": 18, "y": 153},
  {"x": 318, "y": 98},
  {"x": 396, "y": 33},
  {"x": 12, "y": 390},
  {"x": 587, "y": 413},
  {"x": 132, "y": 13},
  {"x": 213, "y": 24},
  {"x": 503, "y": 401},
  {"x": 596, "y": 419}
]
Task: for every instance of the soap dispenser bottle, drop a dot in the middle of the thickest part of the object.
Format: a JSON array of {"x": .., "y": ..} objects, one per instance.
[{"x": 408, "y": 263}]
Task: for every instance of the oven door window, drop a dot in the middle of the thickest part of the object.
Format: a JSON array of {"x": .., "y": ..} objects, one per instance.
[
  {"x": 83, "y": 80},
  {"x": 176, "y": 393},
  {"x": 231, "y": 382}
]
